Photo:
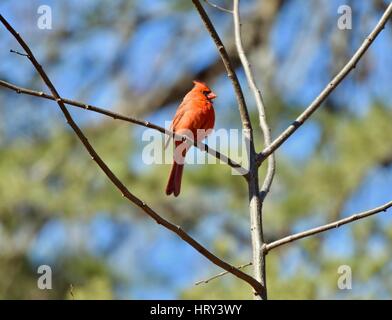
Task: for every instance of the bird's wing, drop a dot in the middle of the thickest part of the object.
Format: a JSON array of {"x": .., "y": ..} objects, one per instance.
[{"x": 184, "y": 106}]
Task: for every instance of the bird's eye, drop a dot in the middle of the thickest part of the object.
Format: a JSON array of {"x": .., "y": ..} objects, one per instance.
[{"x": 206, "y": 92}]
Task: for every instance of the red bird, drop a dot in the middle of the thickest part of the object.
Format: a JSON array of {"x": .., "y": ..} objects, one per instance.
[{"x": 195, "y": 113}]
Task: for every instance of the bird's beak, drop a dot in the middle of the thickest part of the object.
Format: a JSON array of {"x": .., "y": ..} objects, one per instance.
[{"x": 211, "y": 95}]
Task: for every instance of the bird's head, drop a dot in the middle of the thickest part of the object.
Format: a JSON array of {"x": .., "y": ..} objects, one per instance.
[{"x": 202, "y": 88}]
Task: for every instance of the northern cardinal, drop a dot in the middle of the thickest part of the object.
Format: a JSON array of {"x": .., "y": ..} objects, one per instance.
[{"x": 195, "y": 117}]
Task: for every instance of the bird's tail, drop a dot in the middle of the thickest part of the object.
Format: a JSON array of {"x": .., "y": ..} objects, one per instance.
[{"x": 174, "y": 183}]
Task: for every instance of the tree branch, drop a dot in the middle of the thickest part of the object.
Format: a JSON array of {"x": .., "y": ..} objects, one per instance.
[
  {"x": 328, "y": 89},
  {"x": 328, "y": 226},
  {"x": 256, "y": 201},
  {"x": 18, "y": 53},
  {"x": 202, "y": 146},
  {"x": 116, "y": 181},
  {"x": 221, "y": 274},
  {"x": 308, "y": 233},
  {"x": 258, "y": 98}
]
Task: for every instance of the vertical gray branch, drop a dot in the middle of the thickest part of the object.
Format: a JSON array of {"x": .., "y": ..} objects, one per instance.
[
  {"x": 256, "y": 201},
  {"x": 258, "y": 98}
]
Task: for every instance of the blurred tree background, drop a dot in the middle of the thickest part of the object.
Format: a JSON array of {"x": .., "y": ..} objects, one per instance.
[{"x": 138, "y": 58}]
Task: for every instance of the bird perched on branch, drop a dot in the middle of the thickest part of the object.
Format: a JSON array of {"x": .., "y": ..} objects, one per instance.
[{"x": 194, "y": 118}]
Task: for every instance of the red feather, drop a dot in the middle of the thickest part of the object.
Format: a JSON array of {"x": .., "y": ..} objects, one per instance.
[{"x": 195, "y": 112}]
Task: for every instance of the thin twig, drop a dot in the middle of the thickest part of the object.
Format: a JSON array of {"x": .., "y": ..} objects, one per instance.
[
  {"x": 328, "y": 226},
  {"x": 258, "y": 98},
  {"x": 311, "y": 232},
  {"x": 218, "y": 7},
  {"x": 328, "y": 89},
  {"x": 221, "y": 274},
  {"x": 202, "y": 146},
  {"x": 116, "y": 181},
  {"x": 19, "y": 53},
  {"x": 71, "y": 291}
]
